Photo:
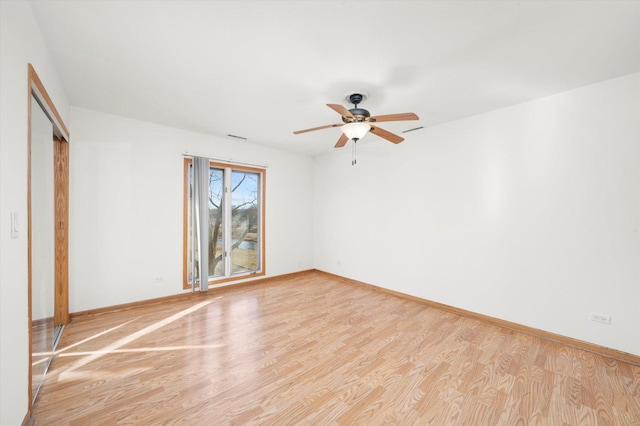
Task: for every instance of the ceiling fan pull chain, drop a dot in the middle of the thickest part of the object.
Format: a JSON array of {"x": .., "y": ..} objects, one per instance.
[{"x": 353, "y": 154}]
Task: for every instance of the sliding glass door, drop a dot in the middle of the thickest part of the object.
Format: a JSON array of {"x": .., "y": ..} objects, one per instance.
[{"x": 235, "y": 229}]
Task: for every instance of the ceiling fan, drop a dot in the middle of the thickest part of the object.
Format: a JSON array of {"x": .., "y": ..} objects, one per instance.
[{"x": 357, "y": 122}]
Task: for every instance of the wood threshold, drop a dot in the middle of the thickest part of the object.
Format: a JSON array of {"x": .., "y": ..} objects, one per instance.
[
  {"x": 225, "y": 281},
  {"x": 197, "y": 294},
  {"x": 546, "y": 335}
]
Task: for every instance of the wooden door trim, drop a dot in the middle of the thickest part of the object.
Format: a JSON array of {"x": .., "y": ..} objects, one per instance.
[
  {"x": 61, "y": 215},
  {"x": 37, "y": 88}
]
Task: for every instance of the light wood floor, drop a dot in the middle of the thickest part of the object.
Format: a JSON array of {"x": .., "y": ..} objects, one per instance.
[{"x": 314, "y": 350}]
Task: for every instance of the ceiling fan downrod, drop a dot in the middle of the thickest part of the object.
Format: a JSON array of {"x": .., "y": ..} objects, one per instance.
[{"x": 355, "y": 99}]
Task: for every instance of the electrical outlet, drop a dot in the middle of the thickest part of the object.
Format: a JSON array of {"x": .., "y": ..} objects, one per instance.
[{"x": 605, "y": 319}]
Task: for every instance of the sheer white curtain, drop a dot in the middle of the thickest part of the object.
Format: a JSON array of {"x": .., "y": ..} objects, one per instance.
[{"x": 201, "y": 213}]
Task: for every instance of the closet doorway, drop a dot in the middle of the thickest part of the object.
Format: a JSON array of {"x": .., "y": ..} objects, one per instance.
[{"x": 48, "y": 201}]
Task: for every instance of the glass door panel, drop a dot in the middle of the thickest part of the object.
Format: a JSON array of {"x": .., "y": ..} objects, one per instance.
[
  {"x": 216, "y": 222},
  {"x": 245, "y": 244}
]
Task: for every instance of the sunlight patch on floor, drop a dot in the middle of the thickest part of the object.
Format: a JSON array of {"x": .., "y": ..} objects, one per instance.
[
  {"x": 130, "y": 338},
  {"x": 133, "y": 350},
  {"x": 45, "y": 357},
  {"x": 94, "y": 375},
  {"x": 95, "y": 336}
]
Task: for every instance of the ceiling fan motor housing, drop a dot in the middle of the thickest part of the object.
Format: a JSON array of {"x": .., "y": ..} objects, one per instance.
[{"x": 360, "y": 114}]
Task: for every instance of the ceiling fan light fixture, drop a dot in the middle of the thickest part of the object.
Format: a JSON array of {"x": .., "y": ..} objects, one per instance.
[{"x": 356, "y": 130}]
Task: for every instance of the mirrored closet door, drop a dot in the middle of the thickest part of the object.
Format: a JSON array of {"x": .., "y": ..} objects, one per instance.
[
  {"x": 48, "y": 188},
  {"x": 42, "y": 244}
]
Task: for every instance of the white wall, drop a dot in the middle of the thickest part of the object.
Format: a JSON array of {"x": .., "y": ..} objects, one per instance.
[
  {"x": 126, "y": 207},
  {"x": 530, "y": 213},
  {"x": 20, "y": 43}
]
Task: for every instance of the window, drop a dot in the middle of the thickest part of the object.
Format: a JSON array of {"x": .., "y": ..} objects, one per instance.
[{"x": 236, "y": 223}]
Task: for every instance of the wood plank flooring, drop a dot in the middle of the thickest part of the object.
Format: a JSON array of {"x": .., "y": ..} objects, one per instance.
[{"x": 314, "y": 350}]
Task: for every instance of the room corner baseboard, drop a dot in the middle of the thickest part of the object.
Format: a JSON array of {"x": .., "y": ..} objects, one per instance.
[
  {"x": 212, "y": 290},
  {"x": 557, "y": 338}
]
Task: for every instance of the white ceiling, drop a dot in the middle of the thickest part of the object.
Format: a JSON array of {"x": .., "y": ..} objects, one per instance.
[{"x": 262, "y": 69}]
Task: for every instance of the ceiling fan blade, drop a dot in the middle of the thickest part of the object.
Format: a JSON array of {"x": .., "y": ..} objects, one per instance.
[
  {"x": 328, "y": 126},
  {"x": 391, "y": 137},
  {"x": 342, "y": 141},
  {"x": 396, "y": 117},
  {"x": 341, "y": 110}
]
